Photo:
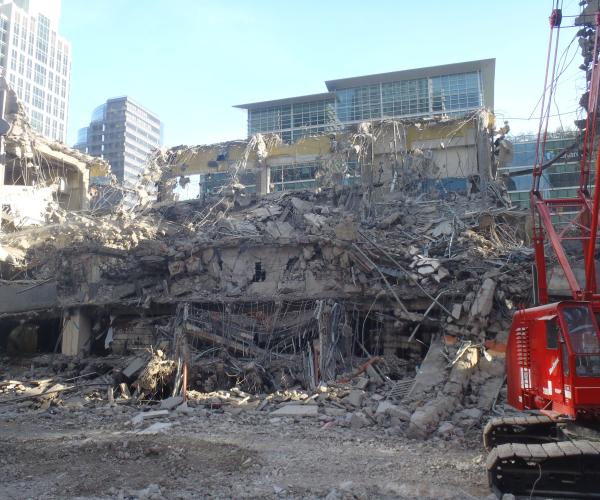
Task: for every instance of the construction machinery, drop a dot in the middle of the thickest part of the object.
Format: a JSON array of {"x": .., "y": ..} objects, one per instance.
[{"x": 553, "y": 350}]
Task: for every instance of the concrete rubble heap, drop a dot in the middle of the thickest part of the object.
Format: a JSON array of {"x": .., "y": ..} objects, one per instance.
[
  {"x": 41, "y": 181},
  {"x": 301, "y": 303}
]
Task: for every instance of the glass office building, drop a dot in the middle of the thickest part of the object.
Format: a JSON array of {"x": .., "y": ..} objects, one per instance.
[
  {"x": 452, "y": 90},
  {"x": 36, "y": 61},
  {"x": 124, "y": 133},
  {"x": 560, "y": 180}
]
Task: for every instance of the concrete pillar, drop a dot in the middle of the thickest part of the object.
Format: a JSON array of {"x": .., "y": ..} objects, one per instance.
[
  {"x": 263, "y": 179},
  {"x": 76, "y": 333},
  {"x": 484, "y": 153}
]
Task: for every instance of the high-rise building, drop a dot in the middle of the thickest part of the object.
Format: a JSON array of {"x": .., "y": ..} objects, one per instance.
[
  {"x": 451, "y": 89},
  {"x": 37, "y": 62},
  {"x": 124, "y": 133}
]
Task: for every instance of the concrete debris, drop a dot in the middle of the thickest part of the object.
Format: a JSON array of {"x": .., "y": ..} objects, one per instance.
[
  {"x": 361, "y": 314},
  {"x": 140, "y": 418},
  {"x": 155, "y": 428},
  {"x": 297, "y": 411},
  {"x": 171, "y": 403},
  {"x": 354, "y": 398}
]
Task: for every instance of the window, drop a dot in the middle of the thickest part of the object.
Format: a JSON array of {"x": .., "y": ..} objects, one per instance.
[
  {"x": 295, "y": 176},
  {"x": 13, "y": 59},
  {"x": 52, "y": 49},
  {"x": 565, "y": 360},
  {"x": 582, "y": 330},
  {"x": 29, "y": 69},
  {"x": 37, "y": 121},
  {"x": 38, "y": 98},
  {"x": 43, "y": 34},
  {"x": 456, "y": 92},
  {"x": 27, "y": 92},
  {"x": 584, "y": 340},
  {"x": 405, "y": 98},
  {"x": 17, "y": 30},
  {"x": 359, "y": 103},
  {"x": 269, "y": 120},
  {"x": 40, "y": 75},
  {"x": 551, "y": 334},
  {"x": 309, "y": 114}
]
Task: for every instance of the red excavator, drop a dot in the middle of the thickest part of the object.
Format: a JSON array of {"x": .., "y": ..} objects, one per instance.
[{"x": 553, "y": 350}]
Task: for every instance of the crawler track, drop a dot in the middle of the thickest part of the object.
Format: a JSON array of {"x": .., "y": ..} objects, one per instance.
[
  {"x": 529, "y": 429},
  {"x": 565, "y": 469}
]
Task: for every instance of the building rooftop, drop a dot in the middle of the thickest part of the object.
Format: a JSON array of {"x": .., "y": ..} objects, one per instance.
[
  {"x": 486, "y": 66},
  {"x": 411, "y": 74},
  {"x": 287, "y": 100}
]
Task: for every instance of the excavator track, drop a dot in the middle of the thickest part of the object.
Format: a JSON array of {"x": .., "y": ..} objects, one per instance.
[
  {"x": 527, "y": 429},
  {"x": 565, "y": 469}
]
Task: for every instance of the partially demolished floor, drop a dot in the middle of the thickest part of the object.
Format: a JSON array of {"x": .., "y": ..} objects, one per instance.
[{"x": 294, "y": 345}]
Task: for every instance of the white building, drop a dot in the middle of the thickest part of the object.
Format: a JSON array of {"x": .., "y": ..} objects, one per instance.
[{"x": 37, "y": 62}]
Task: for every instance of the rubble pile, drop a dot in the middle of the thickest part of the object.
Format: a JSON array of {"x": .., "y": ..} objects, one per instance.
[{"x": 295, "y": 301}]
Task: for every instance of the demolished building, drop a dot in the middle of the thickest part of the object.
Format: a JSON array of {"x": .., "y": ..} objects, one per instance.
[
  {"x": 284, "y": 289},
  {"x": 375, "y": 250},
  {"x": 39, "y": 178}
]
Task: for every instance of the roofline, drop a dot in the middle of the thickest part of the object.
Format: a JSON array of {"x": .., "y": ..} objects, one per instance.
[
  {"x": 409, "y": 74},
  {"x": 486, "y": 66},
  {"x": 133, "y": 101},
  {"x": 287, "y": 100}
]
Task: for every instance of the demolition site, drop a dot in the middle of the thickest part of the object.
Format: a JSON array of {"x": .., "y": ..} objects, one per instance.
[{"x": 327, "y": 317}]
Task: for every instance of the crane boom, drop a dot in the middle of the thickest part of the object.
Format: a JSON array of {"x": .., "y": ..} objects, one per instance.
[{"x": 553, "y": 349}]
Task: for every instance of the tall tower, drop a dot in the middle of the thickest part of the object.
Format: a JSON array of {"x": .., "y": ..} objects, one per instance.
[
  {"x": 124, "y": 133},
  {"x": 36, "y": 61}
]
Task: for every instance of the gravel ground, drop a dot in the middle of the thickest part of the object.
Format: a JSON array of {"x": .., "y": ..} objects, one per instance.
[{"x": 73, "y": 451}]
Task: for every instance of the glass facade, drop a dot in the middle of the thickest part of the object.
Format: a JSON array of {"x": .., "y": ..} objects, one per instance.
[
  {"x": 213, "y": 183},
  {"x": 359, "y": 104},
  {"x": 453, "y": 95},
  {"x": 406, "y": 98},
  {"x": 37, "y": 62},
  {"x": 560, "y": 180},
  {"x": 294, "y": 176},
  {"x": 292, "y": 121},
  {"x": 124, "y": 134}
]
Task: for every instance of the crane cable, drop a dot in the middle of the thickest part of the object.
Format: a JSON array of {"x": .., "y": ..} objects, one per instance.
[{"x": 555, "y": 21}]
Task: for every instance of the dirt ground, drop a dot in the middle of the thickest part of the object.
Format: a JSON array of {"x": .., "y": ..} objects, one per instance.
[{"x": 75, "y": 452}]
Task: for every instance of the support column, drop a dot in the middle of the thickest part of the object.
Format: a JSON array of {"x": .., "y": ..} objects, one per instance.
[
  {"x": 76, "y": 333},
  {"x": 263, "y": 178}
]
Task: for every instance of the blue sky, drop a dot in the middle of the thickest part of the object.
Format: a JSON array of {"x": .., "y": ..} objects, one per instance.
[{"x": 190, "y": 61}]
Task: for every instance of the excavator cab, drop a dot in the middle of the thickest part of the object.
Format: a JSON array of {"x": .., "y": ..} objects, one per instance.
[
  {"x": 584, "y": 339},
  {"x": 554, "y": 359},
  {"x": 553, "y": 368}
]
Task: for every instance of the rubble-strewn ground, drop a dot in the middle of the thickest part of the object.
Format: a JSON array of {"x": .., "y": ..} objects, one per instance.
[
  {"x": 337, "y": 343},
  {"x": 66, "y": 452},
  {"x": 66, "y": 436}
]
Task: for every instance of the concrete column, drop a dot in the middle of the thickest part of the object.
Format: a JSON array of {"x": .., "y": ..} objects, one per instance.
[
  {"x": 76, "y": 333},
  {"x": 263, "y": 178},
  {"x": 484, "y": 154}
]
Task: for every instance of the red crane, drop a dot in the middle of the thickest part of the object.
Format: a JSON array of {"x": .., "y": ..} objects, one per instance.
[{"x": 553, "y": 351}]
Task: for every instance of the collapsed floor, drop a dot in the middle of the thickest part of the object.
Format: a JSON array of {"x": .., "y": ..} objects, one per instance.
[{"x": 291, "y": 302}]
